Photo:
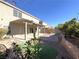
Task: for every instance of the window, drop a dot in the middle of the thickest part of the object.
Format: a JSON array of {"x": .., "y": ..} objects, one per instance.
[
  {"x": 40, "y": 22},
  {"x": 20, "y": 14},
  {"x": 31, "y": 30},
  {"x": 17, "y": 13}
]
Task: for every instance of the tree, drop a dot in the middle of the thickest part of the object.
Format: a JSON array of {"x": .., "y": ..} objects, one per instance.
[{"x": 70, "y": 28}]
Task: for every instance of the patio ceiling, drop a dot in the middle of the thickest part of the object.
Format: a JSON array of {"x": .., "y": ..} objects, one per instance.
[{"x": 22, "y": 20}]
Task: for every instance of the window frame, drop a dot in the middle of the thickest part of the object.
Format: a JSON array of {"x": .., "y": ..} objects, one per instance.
[{"x": 17, "y": 13}]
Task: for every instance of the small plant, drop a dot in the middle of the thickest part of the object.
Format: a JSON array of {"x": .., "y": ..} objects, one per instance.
[
  {"x": 18, "y": 51},
  {"x": 2, "y": 51},
  {"x": 29, "y": 50},
  {"x": 2, "y": 32},
  {"x": 2, "y": 55}
]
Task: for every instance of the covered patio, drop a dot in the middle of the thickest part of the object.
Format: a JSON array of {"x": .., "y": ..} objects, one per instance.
[{"x": 23, "y": 29}]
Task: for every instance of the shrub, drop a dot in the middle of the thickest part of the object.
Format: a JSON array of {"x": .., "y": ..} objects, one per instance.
[
  {"x": 2, "y": 51},
  {"x": 35, "y": 51},
  {"x": 2, "y": 32},
  {"x": 28, "y": 50}
]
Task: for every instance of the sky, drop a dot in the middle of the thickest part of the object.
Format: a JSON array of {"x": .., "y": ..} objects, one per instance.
[{"x": 53, "y": 12}]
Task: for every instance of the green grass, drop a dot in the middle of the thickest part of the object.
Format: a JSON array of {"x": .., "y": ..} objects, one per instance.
[{"x": 47, "y": 52}]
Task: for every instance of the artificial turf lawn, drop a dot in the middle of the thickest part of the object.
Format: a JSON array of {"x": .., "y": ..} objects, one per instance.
[{"x": 47, "y": 52}]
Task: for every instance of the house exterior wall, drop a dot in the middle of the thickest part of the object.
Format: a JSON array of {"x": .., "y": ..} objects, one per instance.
[
  {"x": 6, "y": 15},
  {"x": 17, "y": 30}
]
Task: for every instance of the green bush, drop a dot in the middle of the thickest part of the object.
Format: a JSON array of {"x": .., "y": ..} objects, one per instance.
[
  {"x": 2, "y": 32},
  {"x": 35, "y": 51}
]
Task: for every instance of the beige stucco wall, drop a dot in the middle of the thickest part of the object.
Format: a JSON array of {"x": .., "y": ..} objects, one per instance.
[
  {"x": 30, "y": 18},
  {"x": 6, "y": 15}
]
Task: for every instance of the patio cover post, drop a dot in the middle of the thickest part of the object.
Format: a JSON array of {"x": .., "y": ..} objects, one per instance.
[
  {"x": 26, "y": 31},
  {"x": 44, "y": 29}
]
